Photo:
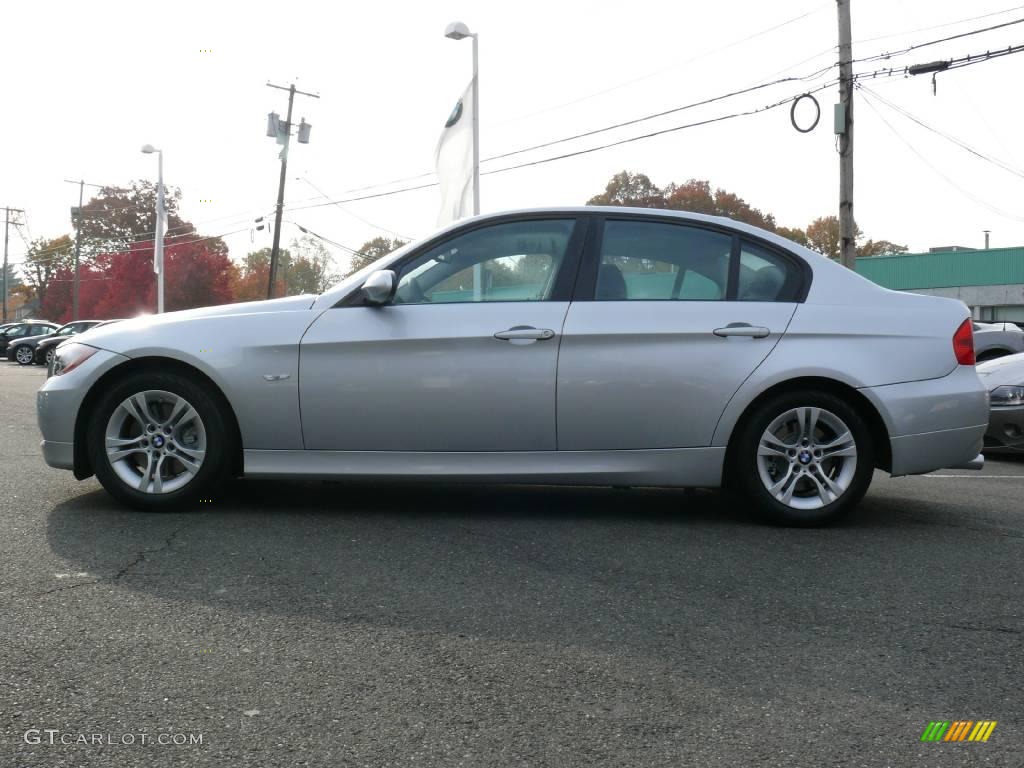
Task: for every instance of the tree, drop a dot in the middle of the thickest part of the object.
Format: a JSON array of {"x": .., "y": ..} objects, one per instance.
[
  {"x": 250, "y": 278},
  {"x": 115, "y": 218},
  {"x": 879, "y": 248},
  {"x": 630, "y": 189},
  {"x": 310, "y": 271},
  {"x": 696, "y": 196},
  {"x": 823, "y": 236},
  {"x": 44, "y": 259},
  {"x": 197, "y": 274},
  {"x": 372, "y": 250}
]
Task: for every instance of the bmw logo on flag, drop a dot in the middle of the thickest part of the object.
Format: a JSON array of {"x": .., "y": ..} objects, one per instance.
[{"x": 453, "y": 118}]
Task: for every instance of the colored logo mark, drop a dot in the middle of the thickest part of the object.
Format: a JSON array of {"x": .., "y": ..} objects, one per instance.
[{"x": 958, "y": 730}]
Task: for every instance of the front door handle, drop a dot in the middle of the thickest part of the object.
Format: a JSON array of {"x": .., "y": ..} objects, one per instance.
[
  {"x": 743, "y": 329},
  {"x": 523, "y": 332}
]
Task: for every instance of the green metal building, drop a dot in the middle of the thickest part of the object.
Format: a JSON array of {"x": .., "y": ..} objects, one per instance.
[{"x": 990, "y": 281}]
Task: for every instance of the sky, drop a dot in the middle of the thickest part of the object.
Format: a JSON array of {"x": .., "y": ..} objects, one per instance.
[{"x": 86, "y": 84}]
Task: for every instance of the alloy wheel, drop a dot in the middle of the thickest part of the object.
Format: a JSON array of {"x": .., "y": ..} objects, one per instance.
[
  {"x": 155, "y": 441},
  {"x": 24, "y": 355},
  {"x": 807, "y": 458}
]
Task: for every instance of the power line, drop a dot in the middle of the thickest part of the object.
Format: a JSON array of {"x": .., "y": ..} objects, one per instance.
[
  {"x": 949, "y": 137},
  {"x": 663, "y": 113},
  {"x": 966, "y": 193},
  {"x": 937, "y": 26},
  {"x": 170, "y": 245},
  {"x": 928, "y": 43},
  {"x": 350, "y": 213},
  {"x": 666, "y": 69}
]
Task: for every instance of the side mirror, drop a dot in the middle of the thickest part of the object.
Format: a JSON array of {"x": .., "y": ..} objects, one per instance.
[{"x": 379, "y": 286}]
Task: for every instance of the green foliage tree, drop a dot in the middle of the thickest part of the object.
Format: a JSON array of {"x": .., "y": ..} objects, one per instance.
[
  {"x": 44, "y": 260},
  {"x": 630, "y": 189},
  {"x": 372, "y": 250},
  {"x": 879, "y": 248},
  {"x": 310, "y": 269},
  {"x": 117, "y": 217}
]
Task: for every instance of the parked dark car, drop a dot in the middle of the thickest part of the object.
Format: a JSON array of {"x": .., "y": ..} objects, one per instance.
[
  {"x": 1004, "y": 379},
  {"x": 23, "y": 350},
  {"x": 24, "y": 329},
  {"x": 47, "y": 345}
]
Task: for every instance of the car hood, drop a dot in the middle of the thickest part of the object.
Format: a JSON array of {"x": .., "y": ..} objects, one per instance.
[
  {"x": 53, "y": 339},
  {"x": 1002, "y": 370},
  {"x": 117, "y": 336}
]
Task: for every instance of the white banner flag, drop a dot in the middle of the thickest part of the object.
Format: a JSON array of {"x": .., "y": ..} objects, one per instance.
[{"x": 454, "y": 162}]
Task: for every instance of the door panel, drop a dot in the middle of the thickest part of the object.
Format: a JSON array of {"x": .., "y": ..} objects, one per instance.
[
  {"x": 654, "y": 374},
  {"x": 431, "y": 377}
]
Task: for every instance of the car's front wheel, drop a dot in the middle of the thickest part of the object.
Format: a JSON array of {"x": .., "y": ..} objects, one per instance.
[
  {"x": 51, "y": 352},
  {"x": 24, "y": 355},
  {"x": 804, "y": 458},
  {"x": 158, "y": 441}
]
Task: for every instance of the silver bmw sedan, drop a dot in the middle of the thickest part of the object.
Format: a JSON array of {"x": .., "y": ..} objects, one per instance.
[{"x": 592, "y": 346}]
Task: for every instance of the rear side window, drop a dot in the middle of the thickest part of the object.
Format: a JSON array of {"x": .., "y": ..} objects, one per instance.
[
  {"x": 653, "y": 261},
  {"x": 766, "y": 276}
]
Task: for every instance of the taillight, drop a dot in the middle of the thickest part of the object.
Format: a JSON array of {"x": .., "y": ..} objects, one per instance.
[{"x": 963, "y": 343}]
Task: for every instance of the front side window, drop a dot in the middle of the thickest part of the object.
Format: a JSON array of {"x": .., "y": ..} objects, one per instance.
[
  {"x": 516, "y": 261},
  {"x": 17, "y": 331},
  {"x": 653, "y": 261},
  {"x": 766, "y": 276}
]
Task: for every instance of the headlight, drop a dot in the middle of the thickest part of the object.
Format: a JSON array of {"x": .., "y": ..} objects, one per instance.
[
  {"x": 70, "y": 356},
  {"x": 1007, "y": 395}
]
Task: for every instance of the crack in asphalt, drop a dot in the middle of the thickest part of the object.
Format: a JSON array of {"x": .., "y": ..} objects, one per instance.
[{"x": 139, "y": 557}]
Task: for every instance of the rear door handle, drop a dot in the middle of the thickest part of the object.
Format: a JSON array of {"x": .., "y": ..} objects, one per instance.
[
  {"x": 743, "y": 329},
  {"x": 525, "y": 332}
]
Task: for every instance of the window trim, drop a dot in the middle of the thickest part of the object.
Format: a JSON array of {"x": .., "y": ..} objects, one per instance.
[
  {"x": 564, "y": 280},
  {"x": 586, "y": 282}
]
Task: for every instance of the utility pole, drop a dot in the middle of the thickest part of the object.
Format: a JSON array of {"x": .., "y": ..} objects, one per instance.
[
  {"x": 77, "y": 219},
  {"x": 844, "y": 129},
  {"x": 283, "y": 133},
  {"x": 7, "y": 227}
]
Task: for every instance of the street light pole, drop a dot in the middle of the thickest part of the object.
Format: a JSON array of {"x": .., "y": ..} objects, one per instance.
[
  {"x": 476, "y": 127},
  {"x": 161, "y": 218},
  {"x": 458, "y": 31},
  {"x": 78, "y": 250}
]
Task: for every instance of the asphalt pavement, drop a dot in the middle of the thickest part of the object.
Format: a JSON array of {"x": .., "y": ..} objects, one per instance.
[{"x": 330, "y": 624}]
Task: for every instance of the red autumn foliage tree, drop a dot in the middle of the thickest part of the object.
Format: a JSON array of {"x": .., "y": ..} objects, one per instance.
[{"x": 197, "y": 274}]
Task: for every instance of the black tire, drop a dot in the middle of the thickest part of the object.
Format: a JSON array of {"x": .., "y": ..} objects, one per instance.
[
  {"x": 218, "y": 441},
  {"x": 24, "y": 351},
  {"x": 51, "y": 352},
  {"x": 746, "y": 472}
]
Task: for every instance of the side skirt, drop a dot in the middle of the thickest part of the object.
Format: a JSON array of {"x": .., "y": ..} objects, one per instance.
[{"x": 682, "y": 467}]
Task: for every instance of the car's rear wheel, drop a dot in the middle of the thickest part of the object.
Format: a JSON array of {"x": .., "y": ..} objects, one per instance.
[
  {"x": 804, "y": 458},
  {"x": 158, "y": 441},
  {"x": 24, "y": 355}
]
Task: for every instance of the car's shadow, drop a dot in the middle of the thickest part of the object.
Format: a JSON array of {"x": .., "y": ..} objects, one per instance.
[{"x": 585, "y": 565}]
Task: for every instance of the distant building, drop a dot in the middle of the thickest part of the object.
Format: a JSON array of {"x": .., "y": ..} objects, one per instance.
[{"x": 990, "y": 281}]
